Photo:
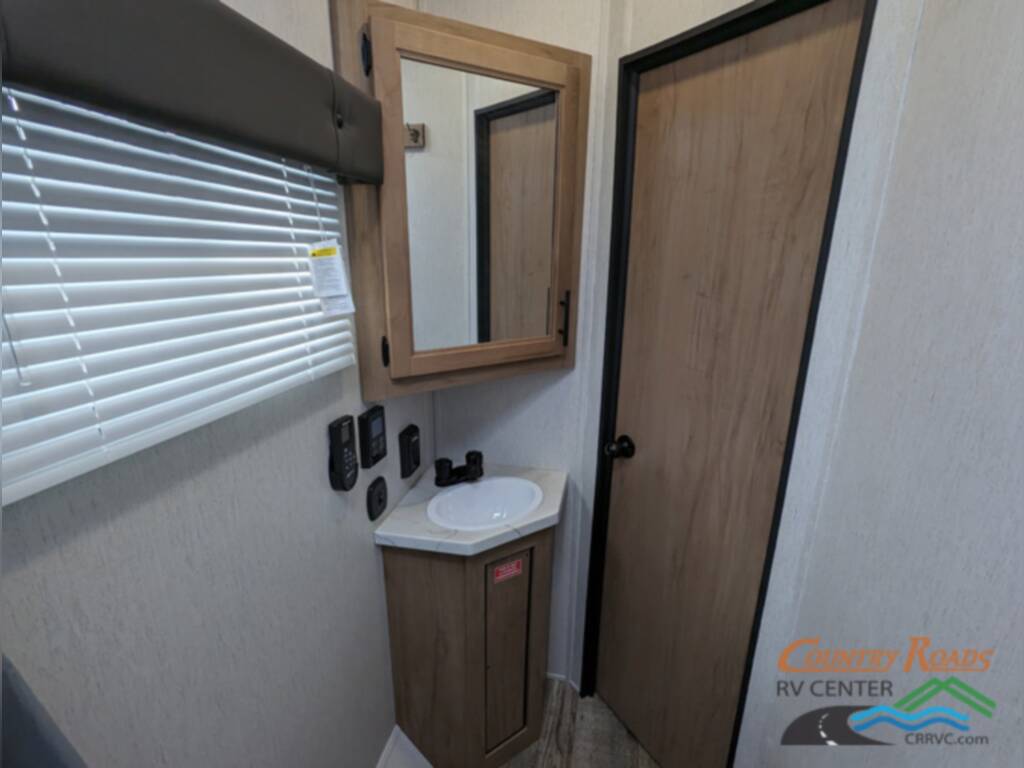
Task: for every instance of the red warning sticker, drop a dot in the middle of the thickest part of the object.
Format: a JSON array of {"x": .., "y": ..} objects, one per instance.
[{"x": 508, "y": 570}]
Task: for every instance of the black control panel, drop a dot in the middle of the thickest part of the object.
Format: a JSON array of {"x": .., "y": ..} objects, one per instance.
[
  {"x": 373, "y": 438},
  {"x": 409, "y": 449},
  {"x": 342, "y": 463}
]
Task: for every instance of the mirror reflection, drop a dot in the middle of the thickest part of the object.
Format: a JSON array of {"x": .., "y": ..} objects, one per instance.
[{"x": 480, "y": 163}]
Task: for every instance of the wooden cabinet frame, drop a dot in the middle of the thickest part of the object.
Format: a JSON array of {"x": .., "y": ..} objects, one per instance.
[{"x": 378, "y": 228}]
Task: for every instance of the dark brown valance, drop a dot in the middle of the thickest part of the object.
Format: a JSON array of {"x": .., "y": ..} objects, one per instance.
[{"x": 198, "y": 67}]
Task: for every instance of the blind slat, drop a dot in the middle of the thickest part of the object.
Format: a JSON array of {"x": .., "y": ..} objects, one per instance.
[
  {"x": 25, "y": 215},
  {"x": 31, "y": 324},
  {"x": 75, "y": 381},
  {"x": 57, "y": 295},
  {"x": 22, "y": 270},
  {"x": 59, "y": 166},
  {"x": 29, "y": 244},
  {"x": 19, "y": 187},
  {"x": 52, "y": 337},
  {"x": 152, "y": 283},
  {"x": 113, "y": 397},
  {"x": 49, "y": 137}
]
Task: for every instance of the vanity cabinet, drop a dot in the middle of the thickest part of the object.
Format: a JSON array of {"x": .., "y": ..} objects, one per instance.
[{"x": 469, "y": 640}]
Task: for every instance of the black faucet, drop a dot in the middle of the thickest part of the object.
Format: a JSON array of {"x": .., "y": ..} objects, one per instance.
[{"x": 446, "y": 474}]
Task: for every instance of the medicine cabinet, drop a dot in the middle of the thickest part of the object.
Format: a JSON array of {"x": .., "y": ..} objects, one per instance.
[{"x": 472, "y": 271}]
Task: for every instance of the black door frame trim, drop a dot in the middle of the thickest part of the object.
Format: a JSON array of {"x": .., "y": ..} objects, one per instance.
[
  {"x": 741, "y": 21},
  {"x": 483, "y": 118}
]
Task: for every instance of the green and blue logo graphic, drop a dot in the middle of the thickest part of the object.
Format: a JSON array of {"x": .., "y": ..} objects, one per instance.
[
  {"x": 908, "y": 715},
  {"x": 847, "y": 725}
]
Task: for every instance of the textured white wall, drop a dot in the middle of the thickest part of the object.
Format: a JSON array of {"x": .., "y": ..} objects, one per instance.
[
  {"x": 211, "y": 601},
  {"x": 651, "y": 21},
  {"x": 303, "y": 24}
]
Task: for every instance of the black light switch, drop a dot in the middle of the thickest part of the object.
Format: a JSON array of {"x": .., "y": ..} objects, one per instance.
[
  {"x": 409, "y": 449},
  {"x": 373, "y": 438}
]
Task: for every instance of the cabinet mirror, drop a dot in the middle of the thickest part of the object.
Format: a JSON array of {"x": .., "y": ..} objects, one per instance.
[{"x": 480, "y": 161}]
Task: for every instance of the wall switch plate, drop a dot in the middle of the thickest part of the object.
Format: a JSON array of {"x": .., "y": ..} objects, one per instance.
[
  {"x": 409, "y": 449},
  {"x": 373, "y": 436},
  {"x": 342, "y": 462},
  {"x": 415, "y": 136}
]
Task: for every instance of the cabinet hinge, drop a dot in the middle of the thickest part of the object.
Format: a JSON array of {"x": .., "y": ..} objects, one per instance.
[
  {"x": 366, "y": 49},
  {"x": 385, "y": 351}
]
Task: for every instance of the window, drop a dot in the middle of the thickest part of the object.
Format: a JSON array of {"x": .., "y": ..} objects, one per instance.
[{"x": 151, "y": 284}]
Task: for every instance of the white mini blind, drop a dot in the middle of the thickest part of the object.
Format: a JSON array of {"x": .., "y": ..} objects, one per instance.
[{"x": 151, "y": 283}]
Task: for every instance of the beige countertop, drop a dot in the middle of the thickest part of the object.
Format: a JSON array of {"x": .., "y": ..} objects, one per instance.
[{"x": 407, "y": 526}]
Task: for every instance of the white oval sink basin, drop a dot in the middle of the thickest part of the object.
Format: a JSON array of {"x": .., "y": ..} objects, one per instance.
[{"x": 488, "y": 503}]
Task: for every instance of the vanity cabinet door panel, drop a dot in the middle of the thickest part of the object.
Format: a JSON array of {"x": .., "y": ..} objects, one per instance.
[{"x": 507, "y": 610}]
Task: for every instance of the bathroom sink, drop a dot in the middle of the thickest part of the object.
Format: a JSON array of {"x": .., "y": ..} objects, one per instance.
[{"x": 485, "y": 504}]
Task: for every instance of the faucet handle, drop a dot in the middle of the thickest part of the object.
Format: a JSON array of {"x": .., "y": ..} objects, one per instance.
[
  {"x": 442, "y": 471},
  {"x": 475, "y": 459}
]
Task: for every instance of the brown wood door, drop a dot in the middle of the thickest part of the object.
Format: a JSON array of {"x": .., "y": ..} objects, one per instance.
[
  {"x": 735, "y": 151},
  {"x": 522, "y": 162}
]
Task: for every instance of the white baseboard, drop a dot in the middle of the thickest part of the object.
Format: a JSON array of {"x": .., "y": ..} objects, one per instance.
[{"x": 399, "y": 752}]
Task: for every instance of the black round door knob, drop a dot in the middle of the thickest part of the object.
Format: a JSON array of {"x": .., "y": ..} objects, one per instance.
[{"x": 623, "y": 447}]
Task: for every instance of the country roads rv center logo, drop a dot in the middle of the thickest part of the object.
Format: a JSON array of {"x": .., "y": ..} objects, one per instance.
[{"x": 945, "y": 710}]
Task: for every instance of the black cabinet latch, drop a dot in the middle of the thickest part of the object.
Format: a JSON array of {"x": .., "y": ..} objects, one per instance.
[
  {"x": 366, "y": 49},
  {"x": 564, "y": 330}
]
